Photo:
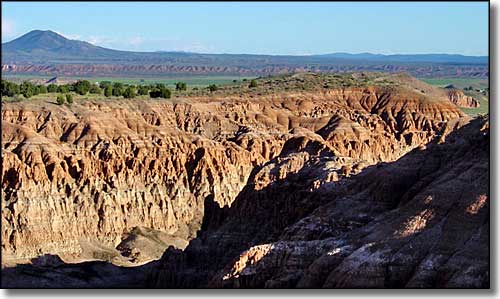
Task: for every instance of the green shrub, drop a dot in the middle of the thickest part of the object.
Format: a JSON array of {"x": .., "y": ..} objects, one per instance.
[
  {"x": 118, "y": 89},
  {"x": 129, "y": 93},
  {"x": 104, "y": 84},
  {"x": 69, "y": 98},
  {"x": 60, "y": 99},
  {"x": 212, "y": 87},
  {"x": 63, "y": 88},
  {"x": 179, "y": 86},
  {"x": 94, "y": 89},
  {"x": 9, "y": 88},
  {"x": 42, "y": 89},
  {"x": 27, "y": 89},
  {"x": 108, "y": 91},
  {"x": 52, "y": 88},
  {"x": 160, "y": 92},
  {"x": 143, "y": 90},
  {"x": 81, "y": 87},
  {"x": 253, "y": 84}
]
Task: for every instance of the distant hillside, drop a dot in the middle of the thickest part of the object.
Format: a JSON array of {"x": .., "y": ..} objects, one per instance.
[
  {"x": 42, "y": 45},
  {"x": 49, "y": 53},
  {"x": 433, "y": 58}
]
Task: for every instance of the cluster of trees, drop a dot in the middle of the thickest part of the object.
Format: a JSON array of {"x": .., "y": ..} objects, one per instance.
[
  {"x": 61, "y": 99},
  {"x": 160, "y": 91},
  {"x": 106, "y": 88},
  {"x": 27, "y": 89},
  {"x": 83, "y": 87}
]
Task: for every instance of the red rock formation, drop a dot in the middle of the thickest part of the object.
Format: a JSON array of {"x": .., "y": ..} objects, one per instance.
[
  {"x": 97, "y": 169},
  {"x": 103, "y": 69},
  {"x": 458, "y": 98},
  {"x": 421, "y": 221}
]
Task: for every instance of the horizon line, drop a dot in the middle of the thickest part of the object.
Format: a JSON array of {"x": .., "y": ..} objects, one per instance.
[{"x": 256, "y": 54}]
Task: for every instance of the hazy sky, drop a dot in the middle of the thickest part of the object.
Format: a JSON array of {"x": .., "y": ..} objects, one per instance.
[{"x": 261, "y": 28}]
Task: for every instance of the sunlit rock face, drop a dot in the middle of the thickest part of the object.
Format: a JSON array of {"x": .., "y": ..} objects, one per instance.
[
  {"x": 312, "y": 175},
  {"x": 420, "y": 221},
  {"x": 458, "y": 98}
]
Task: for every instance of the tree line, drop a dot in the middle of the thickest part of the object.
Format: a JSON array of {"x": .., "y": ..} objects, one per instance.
[{"x": 83, "y": 87}]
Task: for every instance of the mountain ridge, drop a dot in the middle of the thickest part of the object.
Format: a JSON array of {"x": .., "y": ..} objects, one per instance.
[
  {"x": 36, "y": 41},
  {"x": 49, "y": 53}
]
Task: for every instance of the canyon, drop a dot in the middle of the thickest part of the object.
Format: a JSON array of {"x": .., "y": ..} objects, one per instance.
[{"x": 373, "y": 181}]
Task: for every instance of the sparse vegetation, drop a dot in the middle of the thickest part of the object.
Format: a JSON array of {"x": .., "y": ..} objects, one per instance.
[
  {"x": 9, "y": 89},
  {"x": 94, "y": 89},
  {"x": 108, "y": 91},
  {"x": 257, "y": 86},
  {"x": 52, "y": 88},
  {"x": 69, "y": 98},
  {"x": 160, "y": 91},
  {"x": 117, "y": 89},
  {"x": 81, "y": 87},
  {"x": 27, "y": 89},
  {"x": 129, "y": 93},
  {"x": 143, "y": 90},
  {"x": 60, "y": 99},
  {"x": 63, "y": 89},
  {"x": 253, "y": 83},
  {"x": 180, "y": 86},
  {"x": 212, "y": 87}
]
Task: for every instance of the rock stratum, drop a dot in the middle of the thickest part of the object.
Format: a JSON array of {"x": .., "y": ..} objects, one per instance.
[
  {"x": 458, "y": 98},
  {"x": 368, "y": 186},
  {"x": 252, "y": 69}
]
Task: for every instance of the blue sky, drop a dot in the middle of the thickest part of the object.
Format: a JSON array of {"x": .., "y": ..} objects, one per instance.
[{"x": 261, "y": 28}]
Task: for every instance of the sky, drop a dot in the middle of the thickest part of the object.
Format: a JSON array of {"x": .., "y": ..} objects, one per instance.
[{"x": 293, "y": 28}]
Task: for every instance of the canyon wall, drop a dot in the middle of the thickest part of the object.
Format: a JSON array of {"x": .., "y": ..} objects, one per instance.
[
  {"x": 100, "y": 168},
  {"x": 458, "y": 98}
]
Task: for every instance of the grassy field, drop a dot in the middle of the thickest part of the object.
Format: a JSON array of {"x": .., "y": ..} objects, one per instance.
[
  {"x": 483, "y": 108},
  {"x": 191, "y": 81},
  {"x": 461, "y": 83}
]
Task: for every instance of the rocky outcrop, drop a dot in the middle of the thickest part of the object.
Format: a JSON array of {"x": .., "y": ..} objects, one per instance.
[
  {"x": 458, "y": 98},
  {"x": 227, "y": 173},
  {"x": 422, "y": 221}
]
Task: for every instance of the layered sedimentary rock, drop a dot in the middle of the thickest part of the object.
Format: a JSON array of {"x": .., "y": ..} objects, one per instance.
[
  {"x": 248, "y": 69},
  {"x": 458, "y": 98},
  {"x": 226, "y": 172},
  {"x": 421, "y": 221}
]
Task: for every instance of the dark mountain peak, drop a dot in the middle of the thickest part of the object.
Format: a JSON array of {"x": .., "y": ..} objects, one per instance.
[
  {"x": 47, "y": 44},
  {"x": 37, "y": 39},
  {"x": 36, "y": 32}
]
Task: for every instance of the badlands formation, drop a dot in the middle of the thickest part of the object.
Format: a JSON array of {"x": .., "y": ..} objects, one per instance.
[{"x": 362, "y": 180}]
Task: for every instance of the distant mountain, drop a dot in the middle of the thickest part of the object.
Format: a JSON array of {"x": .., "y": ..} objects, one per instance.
[
  {"x": 51, "y": 53},
  {"x": 47, "y": 45}
]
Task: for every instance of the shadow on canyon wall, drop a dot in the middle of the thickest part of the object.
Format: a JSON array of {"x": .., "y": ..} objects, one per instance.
[{"x": 357, "y": 210}]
